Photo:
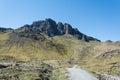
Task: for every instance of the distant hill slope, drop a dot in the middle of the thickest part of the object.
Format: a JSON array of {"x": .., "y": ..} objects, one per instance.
[{"x": 4, "y": 29}]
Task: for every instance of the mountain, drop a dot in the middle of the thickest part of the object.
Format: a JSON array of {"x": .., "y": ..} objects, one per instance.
[
  {"x": 44, "y": 49},
  {"x": 51, "y": 29},
  {"x": 4, "y": 29}
]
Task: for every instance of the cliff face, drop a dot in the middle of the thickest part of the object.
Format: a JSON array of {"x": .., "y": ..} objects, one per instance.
[{"x": 51, "y": 28}]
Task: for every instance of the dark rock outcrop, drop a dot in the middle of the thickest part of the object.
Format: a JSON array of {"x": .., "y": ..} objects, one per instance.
[
  {"x": 61, "y": 28},
  {"x": 48, "y": 27},
  {"x": 51, "y": 28}
]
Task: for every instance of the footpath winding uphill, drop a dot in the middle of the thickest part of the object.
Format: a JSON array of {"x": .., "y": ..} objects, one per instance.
[{"x": 79, "y": 74}]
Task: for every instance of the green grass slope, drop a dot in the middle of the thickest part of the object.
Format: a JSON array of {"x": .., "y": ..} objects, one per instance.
[{"x": 103, "y": 57}]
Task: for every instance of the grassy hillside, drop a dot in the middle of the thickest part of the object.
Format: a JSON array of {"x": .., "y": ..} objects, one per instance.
[{"x": 103, "y": 57}]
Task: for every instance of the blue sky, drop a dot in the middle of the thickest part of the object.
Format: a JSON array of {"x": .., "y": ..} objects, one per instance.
[{"x": 97, "y": 18}]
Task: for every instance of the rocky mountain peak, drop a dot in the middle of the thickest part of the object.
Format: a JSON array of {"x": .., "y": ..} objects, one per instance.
[{"x": 51, "y": 28}]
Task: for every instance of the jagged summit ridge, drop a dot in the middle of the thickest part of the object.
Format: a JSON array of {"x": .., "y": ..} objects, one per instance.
[{"x": 51, "y": 28}]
